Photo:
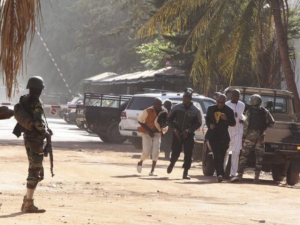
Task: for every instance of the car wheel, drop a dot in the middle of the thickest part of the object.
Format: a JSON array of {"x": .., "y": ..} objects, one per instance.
[
  {"x": 292, "y": 178},
  {"x": 113, "y": 134},
  {"x": 277, "y": 172},
  {"x": 104, "y": 138},
  {"x": 208, "y": 167}
]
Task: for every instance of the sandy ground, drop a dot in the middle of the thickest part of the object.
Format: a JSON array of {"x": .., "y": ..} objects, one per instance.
[{"x": 97, "y": 183}]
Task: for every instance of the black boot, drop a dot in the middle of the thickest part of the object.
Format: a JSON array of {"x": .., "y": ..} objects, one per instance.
[
  {"x": 170, "y": 168},
  {"x": 186, "y": 175}
]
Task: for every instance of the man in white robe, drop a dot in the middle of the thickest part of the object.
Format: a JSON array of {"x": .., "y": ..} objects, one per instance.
[{"x": 236, "y": 132}]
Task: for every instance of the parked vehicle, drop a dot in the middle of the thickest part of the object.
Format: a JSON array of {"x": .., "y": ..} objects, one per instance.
[
  {"x": 69, "y": 115},
  {"x": 282, "y": 142},
  {"x": 129, "y": 117},
  {"x": 101, "y": 115}
]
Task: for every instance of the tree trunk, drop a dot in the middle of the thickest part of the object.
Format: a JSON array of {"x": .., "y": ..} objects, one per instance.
[{"x": 284, "y": 52}]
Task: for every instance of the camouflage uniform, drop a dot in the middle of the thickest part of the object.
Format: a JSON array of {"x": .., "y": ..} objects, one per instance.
[
  {"x": 254, "y": 141},
  {"x": 34, "y": 140}
]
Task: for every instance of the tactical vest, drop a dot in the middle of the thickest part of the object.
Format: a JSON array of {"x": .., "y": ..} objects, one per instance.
[{"x": 257, "y": 119}]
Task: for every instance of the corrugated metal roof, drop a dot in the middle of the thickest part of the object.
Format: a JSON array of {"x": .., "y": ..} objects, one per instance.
[
  {"x": 144, "y": 76},
  {"x": 100, "y": 77}
]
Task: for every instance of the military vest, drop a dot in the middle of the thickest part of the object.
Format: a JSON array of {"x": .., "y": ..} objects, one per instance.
[{"x": 257, "y": 119}]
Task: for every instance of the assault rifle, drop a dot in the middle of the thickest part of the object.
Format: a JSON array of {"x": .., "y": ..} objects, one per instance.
[{"x": 48, "y": 150}]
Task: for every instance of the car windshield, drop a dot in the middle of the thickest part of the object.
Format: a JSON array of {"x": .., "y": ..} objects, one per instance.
[{"x": 140, "y": 103}]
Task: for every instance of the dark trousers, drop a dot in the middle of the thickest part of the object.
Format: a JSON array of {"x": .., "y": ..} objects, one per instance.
[
  {"x": 188, "y": 146},
  {"x": 219, "y": 148}
]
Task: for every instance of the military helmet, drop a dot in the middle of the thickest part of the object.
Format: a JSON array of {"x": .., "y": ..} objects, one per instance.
[
  {"x": 35, "y": 82},
  {"x": 255, "y": 100}
]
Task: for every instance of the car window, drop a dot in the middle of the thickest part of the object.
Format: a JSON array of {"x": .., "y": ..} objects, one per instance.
[
  {"x": 204, "y": 103},
  {"x": 140, "y": 103},
  {"x": 280, "y": 106}
]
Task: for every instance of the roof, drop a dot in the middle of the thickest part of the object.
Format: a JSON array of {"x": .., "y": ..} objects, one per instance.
[
  {"x": 255, "y": 90},
  {"x": 100, "y": 77},
  {"x": 165, "y": 74}
]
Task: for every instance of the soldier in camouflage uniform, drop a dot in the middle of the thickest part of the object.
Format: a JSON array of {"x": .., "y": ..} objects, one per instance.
[
  {"x": 258, "y": 119},
  {"x": 33, "y": 139}
]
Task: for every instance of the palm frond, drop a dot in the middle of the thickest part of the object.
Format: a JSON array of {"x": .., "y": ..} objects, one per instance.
[{"x": 18, "y": 22}]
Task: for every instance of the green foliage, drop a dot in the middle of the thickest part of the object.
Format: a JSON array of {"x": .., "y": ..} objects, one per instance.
[
  {"x": 154, "y": 55},
  {"x": 231, "y": 43}
]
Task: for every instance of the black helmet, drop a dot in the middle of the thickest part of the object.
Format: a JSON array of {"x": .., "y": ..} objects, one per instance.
[{"x": 35, "y": 82}]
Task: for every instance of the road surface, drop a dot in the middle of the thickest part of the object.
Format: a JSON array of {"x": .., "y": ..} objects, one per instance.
[{"x": 97, "y": 183}]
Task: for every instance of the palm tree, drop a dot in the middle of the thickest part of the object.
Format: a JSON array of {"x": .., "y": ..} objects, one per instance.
[
  {"x": 281, "y": 33},
  {"x": 227, "y": 35},
  {"x": 18, "y": 22}
]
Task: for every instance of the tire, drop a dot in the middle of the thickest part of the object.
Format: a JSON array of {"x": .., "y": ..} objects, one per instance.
[
  {"x": 89, "y": 128},
  {"x": 104, "y": 138},
  {"x": 292, "y": 178},
  {"x": 137, "y": 143},
  {"x": 277, "y": 172},
  {"x": 208, "y": 167},
  {"x": 113, "y": 134}
]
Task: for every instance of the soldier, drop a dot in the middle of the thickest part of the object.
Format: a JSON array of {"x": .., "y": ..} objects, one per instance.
[
  {"x": 258, "y": 119},
  {"x": 33, "y": 139}
]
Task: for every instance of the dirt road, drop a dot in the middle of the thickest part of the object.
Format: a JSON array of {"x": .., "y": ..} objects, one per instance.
[{"x": 97, "y": 183}]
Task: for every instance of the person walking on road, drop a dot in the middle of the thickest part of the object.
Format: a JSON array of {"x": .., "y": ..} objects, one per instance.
[
  {"x": 184, "y": 120},
  {"x": 218, "y": 118},
  {"x": 34, "y": 140},
  {"x": 151, "y": 134},
  {"x": 236, "y": 132},
  {"x": 258, "y": 119}
]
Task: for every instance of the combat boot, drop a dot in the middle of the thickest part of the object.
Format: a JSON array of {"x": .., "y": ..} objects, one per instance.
[
  {"x": 29, "y": 207},
  {"x": 24, "y": 201},
  {"x": 256, "y": 179}
]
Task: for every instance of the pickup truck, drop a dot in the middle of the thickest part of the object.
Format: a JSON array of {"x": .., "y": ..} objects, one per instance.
[
  {"x": 282, "y": 143},
  {"x": 101, "y": 113}
]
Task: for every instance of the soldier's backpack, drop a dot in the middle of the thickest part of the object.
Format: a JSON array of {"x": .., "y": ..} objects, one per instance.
[
  {"x": 257, "y": 119},
  {"x": 22, "y": 116}
]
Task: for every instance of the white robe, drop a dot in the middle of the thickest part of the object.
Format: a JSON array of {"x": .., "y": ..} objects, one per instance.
[{"x": 236, "y": 136}]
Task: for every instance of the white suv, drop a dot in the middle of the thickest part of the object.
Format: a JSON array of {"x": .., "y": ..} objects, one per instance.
[{"x": 139, "y": 102}]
